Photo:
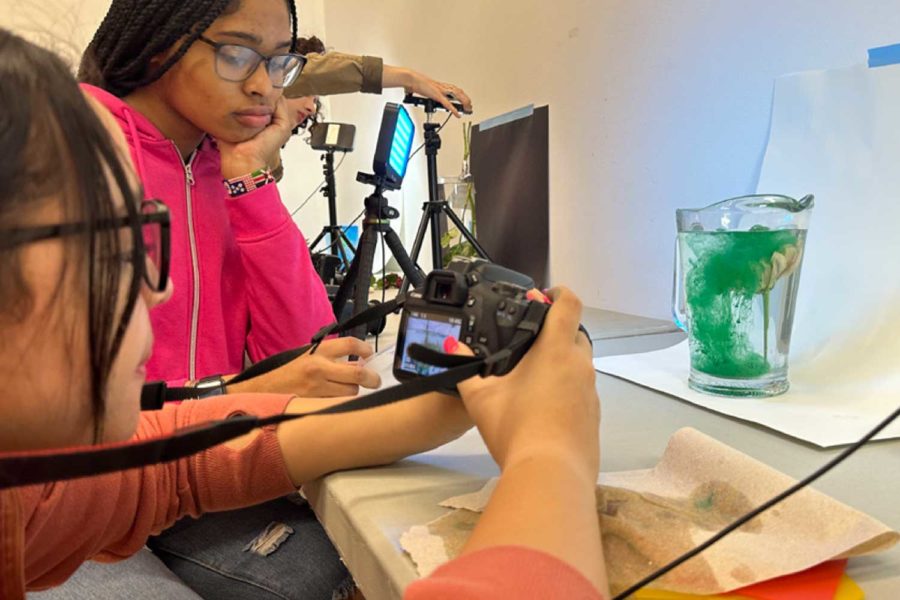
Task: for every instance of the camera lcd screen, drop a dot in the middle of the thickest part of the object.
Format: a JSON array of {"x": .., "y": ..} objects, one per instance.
[{"x": 429, "y": 330}]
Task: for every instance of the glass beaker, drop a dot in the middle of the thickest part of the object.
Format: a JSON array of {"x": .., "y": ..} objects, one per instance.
[{"x": 737, "y": 271}]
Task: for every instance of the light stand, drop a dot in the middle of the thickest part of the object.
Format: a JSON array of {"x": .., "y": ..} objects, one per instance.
[
  {"x": 392, "y": 152},
  {"x": 338, "y": 238},
  {"x": 436, "y": 205},
  {"x": 375, "y": 224},
  {"x": 331, "y": 137}
]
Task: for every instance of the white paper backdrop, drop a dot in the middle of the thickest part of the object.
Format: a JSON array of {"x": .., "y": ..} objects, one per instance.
[{"x": 835, "y": 134}]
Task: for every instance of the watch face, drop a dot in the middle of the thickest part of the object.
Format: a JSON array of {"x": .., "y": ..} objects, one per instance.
[{"x": 211, "y": 386}]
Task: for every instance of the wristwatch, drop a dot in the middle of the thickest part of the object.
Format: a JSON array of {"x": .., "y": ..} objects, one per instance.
[{"x": 214, "y": 385}]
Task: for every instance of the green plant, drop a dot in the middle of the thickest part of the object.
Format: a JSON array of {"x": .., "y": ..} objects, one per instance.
[
  {"x": 452, "y": 242},
  {"x": 389, "y": 281}
]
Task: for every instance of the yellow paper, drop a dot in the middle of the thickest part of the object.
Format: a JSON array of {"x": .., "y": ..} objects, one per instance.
[
  {"x": 648, "y": 594},
  {"x": 847, "y": 590}
]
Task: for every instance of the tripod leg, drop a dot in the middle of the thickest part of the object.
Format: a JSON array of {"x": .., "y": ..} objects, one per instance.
[
  {"x": 417, "y": 248},
  {"x": 466, "y": 233},
  {"x": 342, "y": 247},
  {"x": 365, "y": 254},
  {"x": 367, "y": 242},
  {"x": 413, "y": 274},
  {"x": 420, "y": 237},
  {"x": 345, "y": 290},
  {"x": 318, "y": 239},
  {"x": 437, "y": 253}
]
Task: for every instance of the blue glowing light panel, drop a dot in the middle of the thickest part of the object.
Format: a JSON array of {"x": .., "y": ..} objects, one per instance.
[{"x": 402, "y": 143}]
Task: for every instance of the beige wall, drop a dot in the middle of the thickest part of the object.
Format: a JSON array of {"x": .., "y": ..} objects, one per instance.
[
  {"x": 68, "y": 25},
  {"x": 64, "y": 25},
  {"x": 654, "y": 104}
]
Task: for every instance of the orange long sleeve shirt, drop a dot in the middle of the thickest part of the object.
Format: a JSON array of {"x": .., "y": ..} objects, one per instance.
[{"x": 47, "y": 531}]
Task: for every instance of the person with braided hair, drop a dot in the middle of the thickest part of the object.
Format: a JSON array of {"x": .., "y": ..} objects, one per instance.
[
  {"x": 198, "y": 89},
  {"x": 143, "y": 64}
]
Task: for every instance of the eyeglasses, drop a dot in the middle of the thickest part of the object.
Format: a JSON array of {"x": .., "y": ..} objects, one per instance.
[
  {"x": 153, "y": 243},
  {"x": 237, "y": 63}
]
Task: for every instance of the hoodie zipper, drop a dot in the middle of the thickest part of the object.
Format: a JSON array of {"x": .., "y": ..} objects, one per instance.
[{"x": 195, "y": 265}]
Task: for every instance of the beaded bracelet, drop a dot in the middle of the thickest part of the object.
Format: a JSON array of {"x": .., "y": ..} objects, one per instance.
[{"x": 247, "y": 183}]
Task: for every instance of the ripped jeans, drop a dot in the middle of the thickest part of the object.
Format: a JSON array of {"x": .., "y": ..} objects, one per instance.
[
  {"x": 222, "y": 556},
  {"x": 273, "y": 551}
]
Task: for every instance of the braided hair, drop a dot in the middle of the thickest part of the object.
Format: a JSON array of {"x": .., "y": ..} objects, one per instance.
[{"x": 135, "y": 31}]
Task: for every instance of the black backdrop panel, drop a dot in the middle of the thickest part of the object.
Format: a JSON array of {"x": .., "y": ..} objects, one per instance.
[{"x": 510, "y": 165}]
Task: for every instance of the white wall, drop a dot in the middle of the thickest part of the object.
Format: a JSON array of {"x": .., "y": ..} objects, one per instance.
[{"x": 655, "y": 104}]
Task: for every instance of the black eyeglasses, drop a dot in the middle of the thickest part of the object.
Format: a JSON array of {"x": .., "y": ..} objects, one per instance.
[
  {"x": 153, "y": 243},
  {"x": 237, "y": 63}
]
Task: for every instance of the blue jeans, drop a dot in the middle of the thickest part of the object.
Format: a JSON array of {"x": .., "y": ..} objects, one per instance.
[{"x": 209, "y": 556}]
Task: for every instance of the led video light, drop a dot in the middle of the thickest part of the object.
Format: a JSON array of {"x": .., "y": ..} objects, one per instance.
[{"x": 394, "y": 145}]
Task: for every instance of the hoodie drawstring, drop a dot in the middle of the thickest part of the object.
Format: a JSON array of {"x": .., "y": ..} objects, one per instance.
[{"x": 138, "y": 152}]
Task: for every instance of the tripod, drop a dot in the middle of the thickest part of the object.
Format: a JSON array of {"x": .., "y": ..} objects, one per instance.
[
  {"x": 339, "y": 242},
  {"x": 376, "y": 223},
  {"x": 436, "y": 205}
]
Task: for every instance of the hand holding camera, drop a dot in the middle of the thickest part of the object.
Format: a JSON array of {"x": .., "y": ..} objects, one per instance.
[{"x": 548, "y": 402}]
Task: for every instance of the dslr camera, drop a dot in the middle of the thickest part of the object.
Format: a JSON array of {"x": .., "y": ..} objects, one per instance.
[{"x": 479, "y": 303}]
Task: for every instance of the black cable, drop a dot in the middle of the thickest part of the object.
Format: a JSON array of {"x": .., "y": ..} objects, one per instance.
[
  {"x": 353, "y": 222},
  {"x": 760, "y": 509},
  {"x": 383, "y": 286},
  {"x": 320, "y": 186},
  {"x": 422, "y": 145}
]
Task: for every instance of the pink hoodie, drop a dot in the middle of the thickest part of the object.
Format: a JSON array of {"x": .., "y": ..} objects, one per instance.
[{"x": 243, "y": 276}]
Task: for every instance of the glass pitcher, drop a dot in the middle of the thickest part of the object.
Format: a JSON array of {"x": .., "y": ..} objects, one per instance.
[{"x": 737, "y": 270}]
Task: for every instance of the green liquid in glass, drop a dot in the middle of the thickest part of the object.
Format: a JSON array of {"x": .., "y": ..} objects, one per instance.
[{"x": 732, "y": 281}]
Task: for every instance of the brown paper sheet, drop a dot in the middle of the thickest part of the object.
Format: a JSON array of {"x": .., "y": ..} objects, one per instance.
[{"x": 649, "y": 517}]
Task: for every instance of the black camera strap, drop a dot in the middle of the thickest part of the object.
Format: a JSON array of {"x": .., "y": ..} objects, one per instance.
[
  {"x": 28, "y": 468},
  {"x": 156, "y": 393},
  {"x": 374, "y": 313}
]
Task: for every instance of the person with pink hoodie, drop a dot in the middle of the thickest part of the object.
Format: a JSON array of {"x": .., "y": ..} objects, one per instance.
[
  {"x": 83, "y": 258},
  {"x": 198, "y": 89},
  {"x": 244, "y": 283}
]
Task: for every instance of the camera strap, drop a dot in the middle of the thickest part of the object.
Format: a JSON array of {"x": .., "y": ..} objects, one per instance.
[
  {"x": 27, "y": 468},
  {"x": 44, "y": 466},
  {"x": 156, "y": 393}
]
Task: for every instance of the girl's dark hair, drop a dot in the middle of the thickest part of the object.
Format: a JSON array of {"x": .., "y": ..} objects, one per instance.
[
  {"x": 310, "y": 45},
  {"x": 135, "y": 31},
  {"x": 52, "y": 146}
]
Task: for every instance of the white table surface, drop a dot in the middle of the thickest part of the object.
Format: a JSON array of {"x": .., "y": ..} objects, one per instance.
[{"x": 365, "y": 511}]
